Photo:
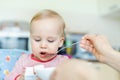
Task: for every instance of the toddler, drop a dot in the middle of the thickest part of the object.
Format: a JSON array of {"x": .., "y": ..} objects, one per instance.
[{"x": 47, "y": 35}]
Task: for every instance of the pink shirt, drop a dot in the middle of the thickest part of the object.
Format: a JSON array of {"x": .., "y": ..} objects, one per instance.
[{"x": 28, "y": 60}]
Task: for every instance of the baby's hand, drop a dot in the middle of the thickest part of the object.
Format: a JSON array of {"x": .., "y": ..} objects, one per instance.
[
  {"x": 38, "y": 78},
  {"x": 21, "y": 77}
]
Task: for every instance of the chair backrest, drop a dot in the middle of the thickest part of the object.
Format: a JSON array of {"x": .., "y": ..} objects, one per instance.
[{"x": 8, "y": 58}]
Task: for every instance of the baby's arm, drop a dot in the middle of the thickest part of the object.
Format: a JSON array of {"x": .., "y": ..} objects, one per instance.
[
  {"x": 17, "y": 70},
  {"x": 20, "y": 77}
]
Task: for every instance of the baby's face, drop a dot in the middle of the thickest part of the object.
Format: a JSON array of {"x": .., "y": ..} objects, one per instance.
[{"x": 46, "y": 38}]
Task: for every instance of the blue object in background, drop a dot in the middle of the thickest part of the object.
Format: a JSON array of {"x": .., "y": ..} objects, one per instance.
[{"x": 8, "y": 58}]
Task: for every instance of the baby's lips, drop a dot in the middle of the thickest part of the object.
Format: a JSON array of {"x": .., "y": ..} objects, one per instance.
[
  {"x": 43, "y": 52},
  {"x": 50, "y": 53}
]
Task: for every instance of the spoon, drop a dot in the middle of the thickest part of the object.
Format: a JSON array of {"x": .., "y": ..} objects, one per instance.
[{"x": 68, "y": 46}]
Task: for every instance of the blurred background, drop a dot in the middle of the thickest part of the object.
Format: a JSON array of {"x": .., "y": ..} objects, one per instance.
[{"x": 81, "y": 17}]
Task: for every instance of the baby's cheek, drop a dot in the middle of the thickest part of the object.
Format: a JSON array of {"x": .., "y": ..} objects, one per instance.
[{"x": 53, "y": 50}]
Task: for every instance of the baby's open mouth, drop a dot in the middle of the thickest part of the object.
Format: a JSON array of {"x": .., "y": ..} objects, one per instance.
[{"x": 43, "y": 53}]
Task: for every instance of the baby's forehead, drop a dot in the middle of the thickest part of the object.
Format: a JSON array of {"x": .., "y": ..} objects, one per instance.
[
  {"x": 48, "y": 25},
  {"x": 49, "y": 21}
]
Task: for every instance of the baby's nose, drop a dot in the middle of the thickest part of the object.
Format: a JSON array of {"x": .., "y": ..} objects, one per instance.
[{"x": 43, "y": 45}]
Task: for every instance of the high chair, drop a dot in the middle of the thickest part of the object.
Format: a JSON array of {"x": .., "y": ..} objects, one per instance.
[{"x": 8, "y": 58}]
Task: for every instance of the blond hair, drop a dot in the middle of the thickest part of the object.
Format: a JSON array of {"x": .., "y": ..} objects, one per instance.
[{"x": 48, "y": 14}]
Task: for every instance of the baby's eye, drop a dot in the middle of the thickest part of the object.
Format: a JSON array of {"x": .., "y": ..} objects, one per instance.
[
  {"x": 50, "y": 41},
  {"x": 37, "y": 40}
]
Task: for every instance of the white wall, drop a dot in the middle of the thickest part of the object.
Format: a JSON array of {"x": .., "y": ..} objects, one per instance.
[
  {"x": 24, "y": 9},
  {"x": 79, "y": 15}
]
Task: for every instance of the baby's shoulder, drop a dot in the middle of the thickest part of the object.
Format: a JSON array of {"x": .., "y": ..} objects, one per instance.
[{"x": 24, "y": 56}]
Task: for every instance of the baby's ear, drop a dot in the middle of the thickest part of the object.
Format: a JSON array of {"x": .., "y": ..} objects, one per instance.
[{"x": 61, "y": 41}]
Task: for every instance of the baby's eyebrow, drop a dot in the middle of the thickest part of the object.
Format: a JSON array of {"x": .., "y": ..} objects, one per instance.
[{"x": 52, "y": 37}]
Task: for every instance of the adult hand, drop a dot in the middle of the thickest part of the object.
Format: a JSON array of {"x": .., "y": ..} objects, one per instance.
[{"x": 98, "y": 45}]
